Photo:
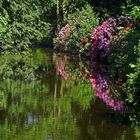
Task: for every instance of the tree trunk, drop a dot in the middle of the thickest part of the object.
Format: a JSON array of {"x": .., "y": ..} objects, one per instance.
[
  {"x": 61, "y": 12},
  {"x": 64, "y": 10}
]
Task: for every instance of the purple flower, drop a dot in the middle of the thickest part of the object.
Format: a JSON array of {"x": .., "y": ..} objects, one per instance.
[{"x": 101, "y": 36}]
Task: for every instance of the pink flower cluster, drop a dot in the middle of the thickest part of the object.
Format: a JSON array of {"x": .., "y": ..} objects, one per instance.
[
  {"x": 61, "y": 69},
  {"x": 64, "y": 33}
]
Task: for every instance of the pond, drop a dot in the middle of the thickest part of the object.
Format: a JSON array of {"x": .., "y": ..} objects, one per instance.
[{"x": 60, "y": 98}]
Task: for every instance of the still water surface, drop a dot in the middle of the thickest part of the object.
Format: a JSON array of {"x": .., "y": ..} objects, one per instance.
[{"x": 57, "y": 101}]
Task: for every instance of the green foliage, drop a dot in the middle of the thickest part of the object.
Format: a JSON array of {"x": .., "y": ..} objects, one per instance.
[
  {"x": 135, "y": 13},
  {"x": 133, "y": 81},
  {"x": 83, "y": 23},
  {"x": 4, "y": 18},
  {"x": 122, "y": 52},
  {"x": 84, "y": 20},
  {"x": 21, "y": 24},
  {"x": 124, "y": 63},
  {"x": 133, "y": 10},
  {"x": 15, "y": 65},
  {"x": 108, "y": 8}
]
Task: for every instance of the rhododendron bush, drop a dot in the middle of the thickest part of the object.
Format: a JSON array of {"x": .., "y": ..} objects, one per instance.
[
  {"x": 77, "y": 30},
  {"x": 102, "y": 36}
]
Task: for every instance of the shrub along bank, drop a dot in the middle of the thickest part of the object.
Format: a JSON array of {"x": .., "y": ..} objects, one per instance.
[{"x": 78, "y": 27}]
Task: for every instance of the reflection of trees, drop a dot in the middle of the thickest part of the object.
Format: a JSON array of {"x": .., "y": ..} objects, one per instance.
[
  {"x": 31, "y": 109},
  {"x": 49, "y": 107},
  {"x": 40, "y": 108}
]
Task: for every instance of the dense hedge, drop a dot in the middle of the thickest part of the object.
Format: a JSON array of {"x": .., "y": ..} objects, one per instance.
[{"x": 22, "y": 23}]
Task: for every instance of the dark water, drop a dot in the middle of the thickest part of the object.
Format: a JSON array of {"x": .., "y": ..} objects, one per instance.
[{"x": 56, "y": 101}]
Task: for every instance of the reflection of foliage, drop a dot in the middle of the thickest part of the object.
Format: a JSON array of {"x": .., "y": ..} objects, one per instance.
[
  {"x": 35, "y": 113},
  {"x": 48, "y": 107},
  {"x": 98, "y": 79},
  {"x": 32, "y": 108},
  {"x": 16, "y": 65},
  {"x": 83, "y": 94},
  {"x": 61, "y": 68},
  {"x": 137, "y": 132},
  {"x": 3, "y": 97},
  {"x": 81, "y": 87},
  {"x": 22, "y": 65}
]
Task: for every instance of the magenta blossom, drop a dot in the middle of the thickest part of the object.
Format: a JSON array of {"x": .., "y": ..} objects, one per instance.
[{"x": 101, "y": 37}]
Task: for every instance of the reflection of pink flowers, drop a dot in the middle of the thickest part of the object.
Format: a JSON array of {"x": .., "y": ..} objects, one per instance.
[
  {"x": 102, "y": 91},
  {"x": 97, "y": 76},
  {"x": 61, "y": 69}
]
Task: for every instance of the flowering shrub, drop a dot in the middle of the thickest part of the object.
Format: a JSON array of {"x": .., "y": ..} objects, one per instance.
[
  {"x": 75, "y": 35},
  {"x": 101, "y": 38},
  {"x": 64, "y": 34}
]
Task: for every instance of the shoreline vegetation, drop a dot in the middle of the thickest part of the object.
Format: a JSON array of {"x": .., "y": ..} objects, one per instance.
[
  {"x": 75, "y": 27},
  {"x": 83, "y": 28}
]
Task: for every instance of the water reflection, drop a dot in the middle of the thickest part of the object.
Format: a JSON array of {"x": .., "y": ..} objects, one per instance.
[
  {"x": 46, "y": 105},
  {"x": 97, "y": 75},
  {"x": 102, "y": 90}
]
